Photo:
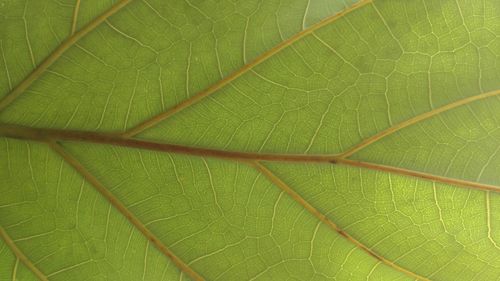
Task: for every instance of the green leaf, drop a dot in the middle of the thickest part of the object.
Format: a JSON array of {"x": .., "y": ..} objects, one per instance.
[{"x": 250, "y": 140}]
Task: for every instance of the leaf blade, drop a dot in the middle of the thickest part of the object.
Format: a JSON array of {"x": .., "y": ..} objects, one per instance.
[{"x": 386, "y": 77}]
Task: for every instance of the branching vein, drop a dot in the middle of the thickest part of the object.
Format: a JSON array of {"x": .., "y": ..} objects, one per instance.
[
  {"x": 21, "y": 256},
  {"x": 45, "y": 135},
  {"x": 124, "y": 210},
  {"x": 57, "y": 53},
  {"x": 228, "y": 79},
  {"x": 323, "y": 218}
]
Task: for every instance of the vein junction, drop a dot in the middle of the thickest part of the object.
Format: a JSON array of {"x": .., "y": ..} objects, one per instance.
[
  {"x": 126, "y": 139},
  {"x": 48, "y": 135}
]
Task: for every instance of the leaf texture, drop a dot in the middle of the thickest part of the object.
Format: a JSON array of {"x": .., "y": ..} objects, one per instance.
[{"x": 250, "y": 140}]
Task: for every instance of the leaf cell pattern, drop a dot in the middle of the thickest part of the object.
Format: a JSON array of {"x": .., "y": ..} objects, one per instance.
[{"x": 249, "y": 140}]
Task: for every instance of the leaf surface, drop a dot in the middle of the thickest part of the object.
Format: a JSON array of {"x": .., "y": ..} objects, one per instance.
[{"x": 250, "y": 140}]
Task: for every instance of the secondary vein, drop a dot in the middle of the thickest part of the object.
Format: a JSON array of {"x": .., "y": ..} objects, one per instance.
[
  {"x": 228, "y": 79},
  {"x": 417, "y": 119},
  {"x": 57, "y": 53},
  {"x": 323, "y": 218},
  {"x": 124, "y": 211},
  {"x": 21, "y": 256}
]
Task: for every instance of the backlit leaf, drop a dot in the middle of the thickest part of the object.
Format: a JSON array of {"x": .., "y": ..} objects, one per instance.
[{"x": 250, "y": 140}]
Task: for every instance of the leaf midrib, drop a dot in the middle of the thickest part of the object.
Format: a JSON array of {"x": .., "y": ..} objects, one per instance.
[
  {"x": 73, "y": 162},
  {"x": 50, "y": 136},
  {"x": 184, "y": 267},
  {"x": 47, "y": 135},
  {"x": 52, "y": 58}
]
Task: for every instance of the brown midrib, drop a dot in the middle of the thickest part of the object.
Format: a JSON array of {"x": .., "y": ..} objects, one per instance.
[
  {"x": 51, "y": 135},
  {"x": 37, "y": 134},
  {"x": 48, "y": 136},
  {"x": 77, "y": 35},
  {"x": 32, "y": 77}
]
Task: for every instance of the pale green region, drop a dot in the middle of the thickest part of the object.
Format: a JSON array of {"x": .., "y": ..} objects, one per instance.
[
  {"x": 436, "y": 230},
  {"x": 152, "y": 55},
  {"x": 67, "y": 229},
  {"x": 12, "y": 269},
  {"x": 30, "y": 31},
  {"x": 226, "y": 220},
  {"x": 90, "y": 9},
  {"x": 461, "y": 143},
  {"x": 318, "y": 10},
  {"x": 371, "y": 69}
]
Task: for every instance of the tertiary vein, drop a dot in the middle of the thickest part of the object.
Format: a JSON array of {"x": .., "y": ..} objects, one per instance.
[
  {"x": 74, "y": 20},
  {"x": 51, "y": 137}
]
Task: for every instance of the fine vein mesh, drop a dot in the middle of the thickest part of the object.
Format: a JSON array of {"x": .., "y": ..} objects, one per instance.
[
  {"x": 369, "y": 70},
  {"x": 148, "y": 57},
  {"x": 67, "y": 229},
  {"x": 225, "y": 219}
]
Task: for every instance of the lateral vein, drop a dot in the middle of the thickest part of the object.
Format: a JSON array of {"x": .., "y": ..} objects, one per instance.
[
  {"x": 57, "y": 53},
  {"x": 124, "y": 211},
  {"x": 233, "y": 76},
  {"x": 421, "y": 117},
  {"x": 323, "y": 218},
  {"x": 21, "y": 256}
]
